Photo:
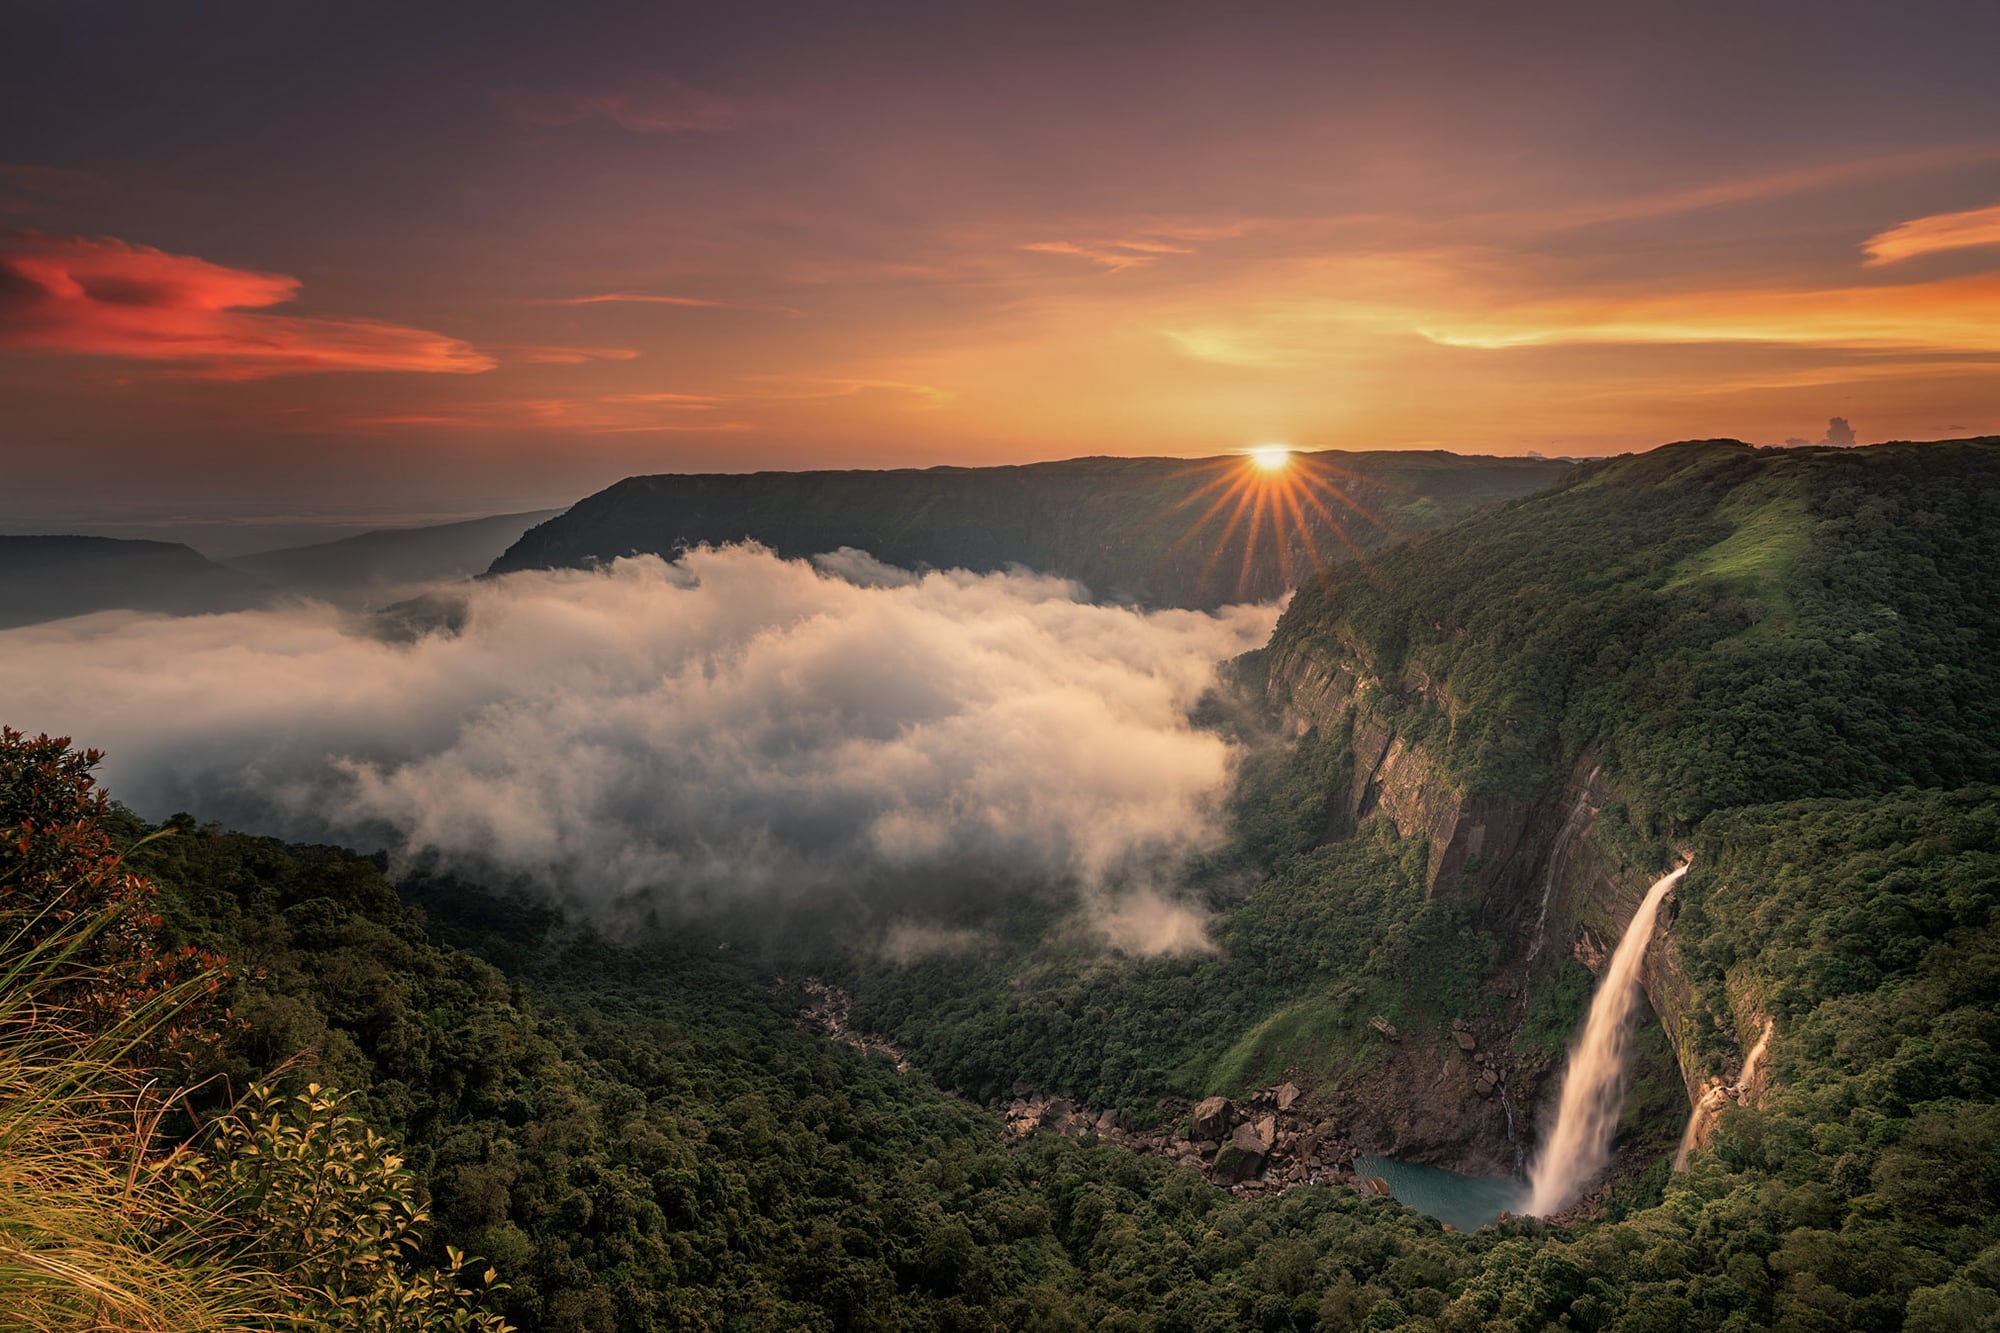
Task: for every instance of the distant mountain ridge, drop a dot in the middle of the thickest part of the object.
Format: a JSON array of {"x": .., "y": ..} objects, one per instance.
[
  {"x": 1154, "y": 531},
  {"x": 393, "y": 557},
  {"x": 47, "y": 578}
]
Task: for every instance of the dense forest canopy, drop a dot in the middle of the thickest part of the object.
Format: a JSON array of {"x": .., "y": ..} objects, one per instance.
[{"x": 1727, "y": 625}]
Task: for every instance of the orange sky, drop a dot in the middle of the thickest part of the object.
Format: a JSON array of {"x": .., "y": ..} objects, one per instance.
[{"x": 344, "y": 259}]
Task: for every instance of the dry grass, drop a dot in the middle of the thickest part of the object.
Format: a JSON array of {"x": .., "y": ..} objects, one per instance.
[{"x": 96, "y": 1231}]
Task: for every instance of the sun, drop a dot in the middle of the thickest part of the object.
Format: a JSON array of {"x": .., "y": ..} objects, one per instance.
[{"x": 1268, "y": 495}]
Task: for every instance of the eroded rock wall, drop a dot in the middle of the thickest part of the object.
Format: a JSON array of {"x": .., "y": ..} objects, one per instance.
[
  {"x": 1552, "y": 872},
  {"x": 1485, "y": 847}
]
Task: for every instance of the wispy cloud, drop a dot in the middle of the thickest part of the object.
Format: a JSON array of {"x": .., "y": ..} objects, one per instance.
[
  {"x": 599, "y": 414},
  {"x": 633, "y": 298},
  {"x": 1113, "y": 255},
  {"x": 1466, "y": 301},
  {"x": 687, "y": 402},
  {"x": 107, "y": 297},
  {"x": 650, "y": 298},
  {"x": 1955, "y": 315},
  {"x": 1764, "y": 185},
  {"x": 1929, "y": 235},
  {"x": 786, "y": 388},
  {"x": 540, "y": 355}
]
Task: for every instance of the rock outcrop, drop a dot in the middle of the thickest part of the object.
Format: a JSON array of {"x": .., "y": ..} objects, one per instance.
[{"x": 1269, "y": 1142}]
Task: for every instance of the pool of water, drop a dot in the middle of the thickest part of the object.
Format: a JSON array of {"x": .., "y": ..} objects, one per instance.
[{"x": 1467, "y": 1202}]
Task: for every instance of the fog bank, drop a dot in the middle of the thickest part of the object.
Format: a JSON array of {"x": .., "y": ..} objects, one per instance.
[{"x": 718, "y": 728}]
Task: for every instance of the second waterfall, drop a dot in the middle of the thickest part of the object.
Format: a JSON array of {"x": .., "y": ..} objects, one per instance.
[{"x": 1579, "y": 1146}]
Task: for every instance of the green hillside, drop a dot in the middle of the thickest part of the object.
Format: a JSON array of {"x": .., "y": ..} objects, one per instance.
[{"x": 1726, "y": 625}]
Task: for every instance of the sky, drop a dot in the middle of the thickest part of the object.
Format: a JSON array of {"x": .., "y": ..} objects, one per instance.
[{"x": 357, "y": 263}]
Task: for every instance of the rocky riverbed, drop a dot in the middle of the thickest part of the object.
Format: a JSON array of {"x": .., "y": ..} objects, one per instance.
[
  {"x": 1252, "y": 1146},
  {"x": 1257, "y": 1145}
]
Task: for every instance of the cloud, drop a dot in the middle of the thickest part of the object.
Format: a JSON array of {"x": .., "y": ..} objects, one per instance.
[
  {"x": 107, "y": 297},
  {"x": 634, "y": 298},
  {"x": 728, "y": 728},
  {"x": 1839, "y": 435},
  {"x": 1461, "y": 305},
  {"x": 602, "y": 414},
  {"x": 1755, "y": 188},
  {"x": 1113, "y": 255},
  {"x": 655, "y": 106},
  {"x": 648, "y": 298},
  {"x": 1147, "y": 922},
  {"x": 1955, "y": 314},
  {"x": 686, "y": 402},
  {"x": 811, "y": 388},
  {"x": 539, "y": 355},
  {"x": 1930, "y": 235}
]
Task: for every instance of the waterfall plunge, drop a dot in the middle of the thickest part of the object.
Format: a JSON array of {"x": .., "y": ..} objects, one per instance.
[{"x": 1594, "y": 1084}]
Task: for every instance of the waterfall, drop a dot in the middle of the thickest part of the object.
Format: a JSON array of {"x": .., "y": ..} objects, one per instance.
[
  {"x": 1564, "y": 836},
  {"x": 1704, "y": 1111},
  {"x": 1717, "y": 1096},
  {"x": 1594, "y": 1083}
]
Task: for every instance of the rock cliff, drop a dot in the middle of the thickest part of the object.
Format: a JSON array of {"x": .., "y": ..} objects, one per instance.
[{"x": 1562, "y": 872}]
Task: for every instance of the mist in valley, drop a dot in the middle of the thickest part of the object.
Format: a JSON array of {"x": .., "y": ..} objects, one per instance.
[{"x": 725, "y": 730}]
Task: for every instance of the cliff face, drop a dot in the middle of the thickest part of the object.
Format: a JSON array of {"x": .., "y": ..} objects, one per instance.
[
  {"x": 1554, "y": 872},
  {"x": 1486, "y": 847}
]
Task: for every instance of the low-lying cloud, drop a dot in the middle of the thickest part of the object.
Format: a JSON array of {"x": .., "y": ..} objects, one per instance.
[{"x": 725, "y": 728}]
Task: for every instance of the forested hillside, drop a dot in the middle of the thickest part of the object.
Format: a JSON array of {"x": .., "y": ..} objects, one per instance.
[
  {"x": 646, "y": 1138},
  {"x": 1725, "y": 625},
  {"x": 1156, "y": 531}
]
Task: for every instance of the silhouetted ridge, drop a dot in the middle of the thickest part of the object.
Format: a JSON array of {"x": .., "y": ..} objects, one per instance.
[
  {"x": 1142, "y": 530},
  {"x": 48, "y": 578},
  {"x": 393, "y": 557}
]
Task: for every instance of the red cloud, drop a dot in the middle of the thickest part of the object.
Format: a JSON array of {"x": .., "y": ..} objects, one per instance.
[{"x": 106, "y": 297}]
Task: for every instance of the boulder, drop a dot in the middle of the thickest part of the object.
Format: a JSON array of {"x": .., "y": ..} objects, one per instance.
[
  {"x": 1213, "y": 1118},
  {"x": 1286, "y": 1094},
  {"x": 1385, "y": 1027},
  {"x": 1107, "y": 1122},
  {"x": 1055, "y": 1111},
  {"x": 1242, "y": 1157},
  {"x": 1465, "y": 1039}
]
